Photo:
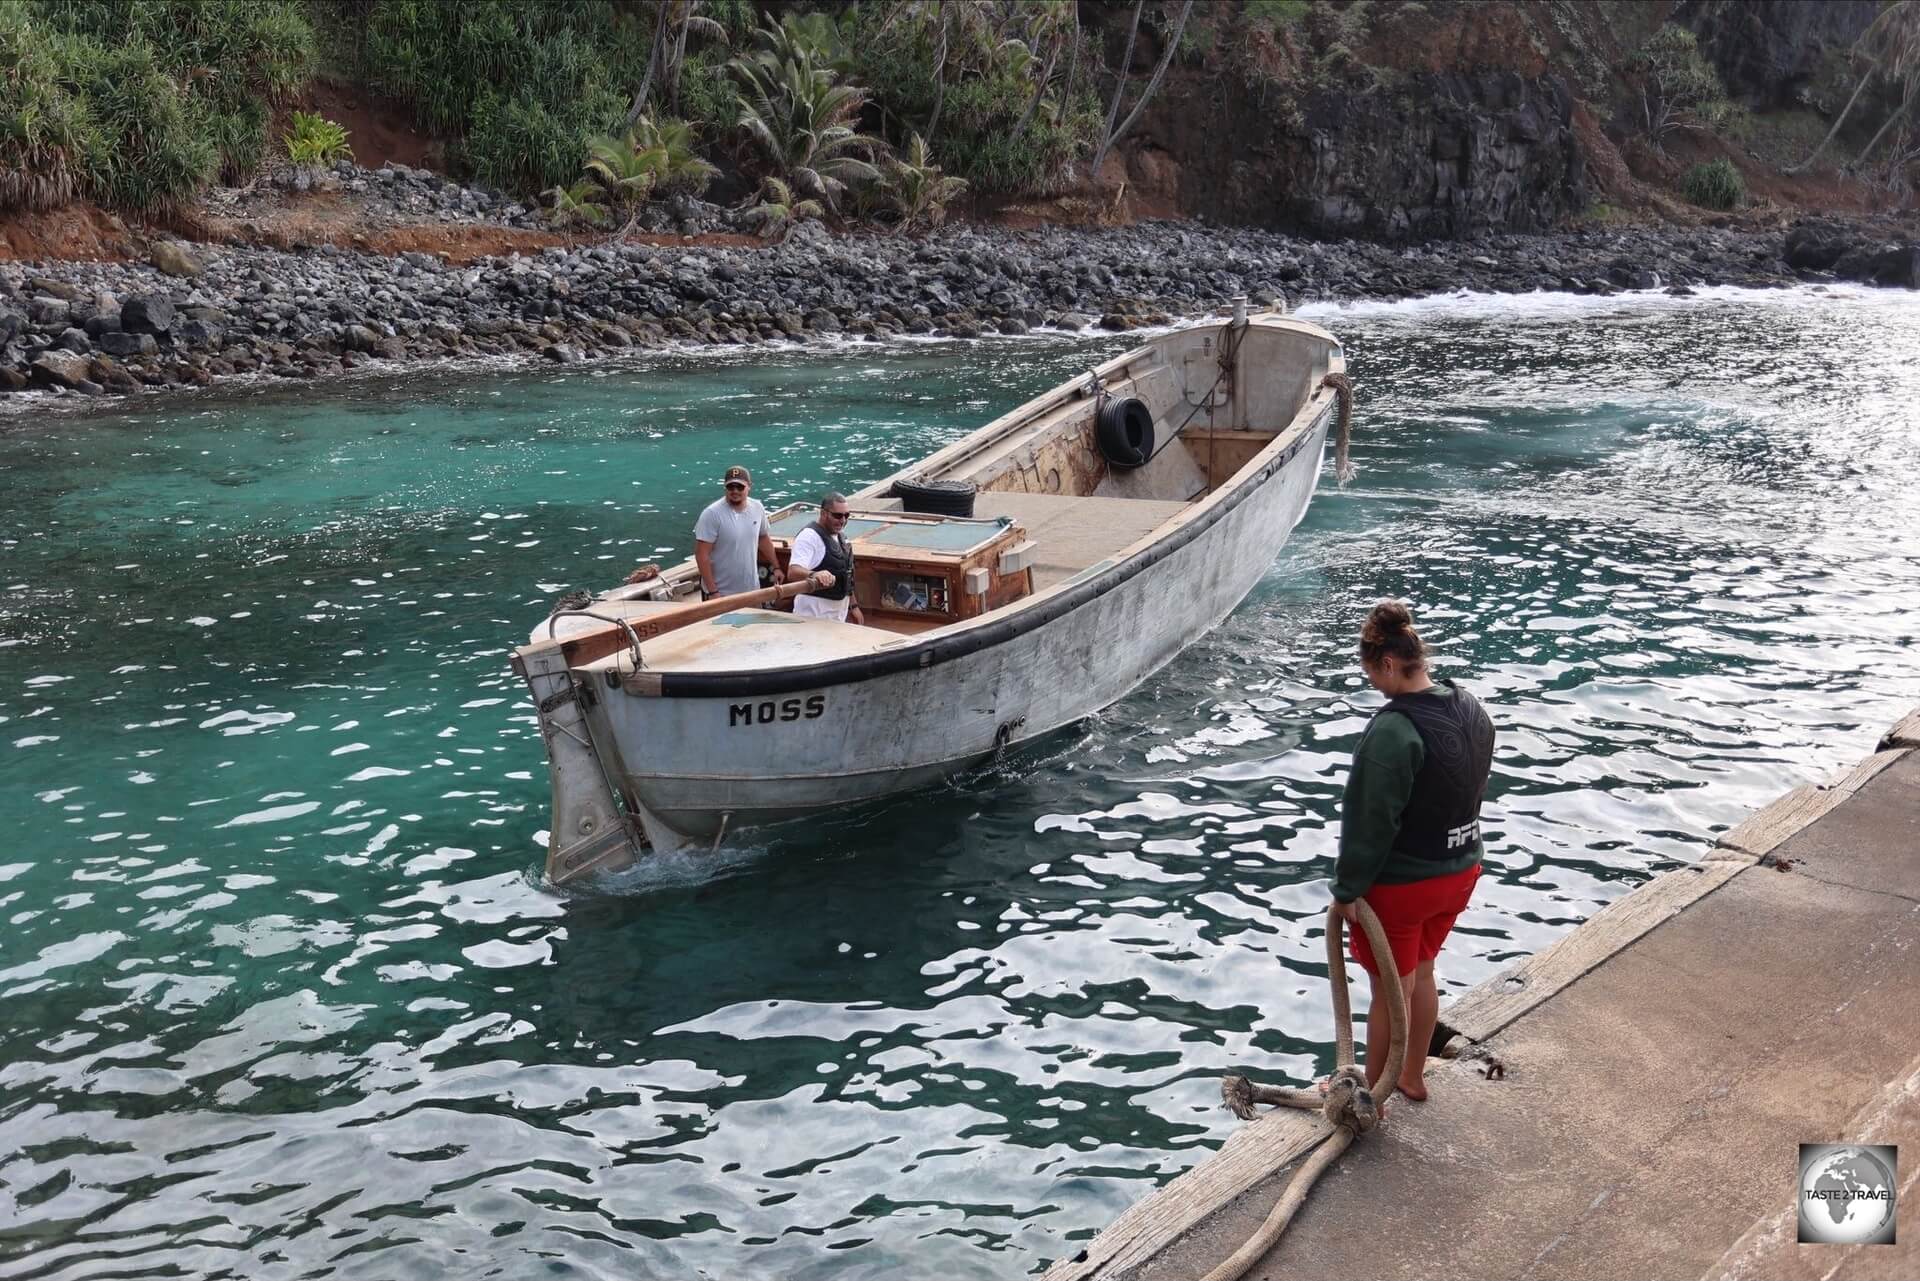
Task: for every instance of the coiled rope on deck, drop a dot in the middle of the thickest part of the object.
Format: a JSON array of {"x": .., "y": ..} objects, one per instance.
[
  {"x": 1348, "y": 1105},
  {"x": 1343, "y": 469}
]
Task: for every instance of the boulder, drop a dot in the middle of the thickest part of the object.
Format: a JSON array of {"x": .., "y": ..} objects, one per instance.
[
  {"x": 1881, "y": 264},
  {"x": 12, "y": 324},
  {"x": 147, "y": 314},
  {"x": 74, "y": 340},
  {"x": 175, "y": 259},
  {"x": 197, "y": 333},
  {"x": 58, "y": 368},
  {"x": 117, "y": 343},
  {"x": 823, "y": 321},
  {"x": 54, "y": 288},
  {"x": 111, "y": 373},
  {"x": 1816, "y": 246},
  {"x": 1075, "y": 321},
  {"x": 49, "y": 312}
]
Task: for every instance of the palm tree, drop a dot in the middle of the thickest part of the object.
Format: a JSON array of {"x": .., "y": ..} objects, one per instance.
[
  {"x": 919, "y": 190},
  {"x": 1112, "y": 134},
  {"x": 1892, "y": 45},
  {"x": 673, "y": 21},
  {"x": 800, "y": 116},
  {"x": 778, "y": 213},
  {"x": 581, "y": 202},
  {"x": 1898, "y": 40},
  {"x": 680, "y": 173},
  {"x": 625, "y": 169}
]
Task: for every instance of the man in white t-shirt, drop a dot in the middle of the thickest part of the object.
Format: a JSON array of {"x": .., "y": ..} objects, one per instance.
[
  {"x": 732, "y": 539},
  {"x": 822, "y": 547}
]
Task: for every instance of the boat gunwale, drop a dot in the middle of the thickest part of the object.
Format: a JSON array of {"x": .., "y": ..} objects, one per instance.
[{"x": 958, "y": 640}]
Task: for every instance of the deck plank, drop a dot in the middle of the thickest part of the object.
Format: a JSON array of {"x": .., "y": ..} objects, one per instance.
[
  {"x": 1253, "y": 1153},
  {"x": 1073, "y": 533}
]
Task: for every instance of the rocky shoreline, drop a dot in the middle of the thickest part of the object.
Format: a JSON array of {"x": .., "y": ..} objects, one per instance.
[{"x": 197, "y": 314}]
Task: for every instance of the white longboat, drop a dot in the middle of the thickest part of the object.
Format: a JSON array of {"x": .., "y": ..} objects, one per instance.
[{"x": 1115, "y": 519}]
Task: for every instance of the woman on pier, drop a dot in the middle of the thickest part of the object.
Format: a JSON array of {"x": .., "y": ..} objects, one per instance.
[{"x": 1410, "y": 826}]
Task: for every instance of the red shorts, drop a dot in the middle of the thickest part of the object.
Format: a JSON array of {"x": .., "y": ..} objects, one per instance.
[{"x": 1417, "y": 917}]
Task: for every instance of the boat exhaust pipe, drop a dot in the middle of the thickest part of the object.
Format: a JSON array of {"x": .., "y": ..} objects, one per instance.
[
  {"x": 1239, "y": 310},
  {"x": 590, "y": 831}
]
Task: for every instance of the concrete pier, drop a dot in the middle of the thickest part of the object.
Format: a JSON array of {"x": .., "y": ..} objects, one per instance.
[{"x": 1630, "y": 1102}]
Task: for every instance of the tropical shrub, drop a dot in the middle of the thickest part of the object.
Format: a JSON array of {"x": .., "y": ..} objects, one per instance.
[
  {"x": 918, "y": 190},
  {"x": 316, "y": 140},
  {"x": 1011, "y": 115},
  {"x": 583, "y": 202},
  {"x": 800, "y": 116},
  {"x": 231, "y": 60},
  {"x": 239, "y": 137},
  {"x": 1714, "y": 185},
  {"x": 140, "y": 103},
  {"x": 46, "y": 132},
  {"x": 679, "y": 171},
  {"x": 519, "y": 85},
  {"x": 779, "y": 211},
  {"x": 1679, "y": 89},
  {"x": 151, "y": 149}
]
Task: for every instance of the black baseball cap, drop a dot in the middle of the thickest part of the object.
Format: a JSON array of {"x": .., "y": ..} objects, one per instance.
[{"x": 737, "y": 473}]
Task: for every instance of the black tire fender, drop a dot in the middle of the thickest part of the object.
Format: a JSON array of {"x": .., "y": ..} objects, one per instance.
[
  {"x": 936, "y": 497},
  {"x": 1123, "y": 428}
]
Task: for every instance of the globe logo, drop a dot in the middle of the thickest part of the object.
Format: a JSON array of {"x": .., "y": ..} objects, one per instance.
[{"x": 1846, "y": 1194}]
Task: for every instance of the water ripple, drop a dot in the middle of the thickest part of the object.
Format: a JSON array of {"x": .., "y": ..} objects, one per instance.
[{"x": 286, "y": 997}]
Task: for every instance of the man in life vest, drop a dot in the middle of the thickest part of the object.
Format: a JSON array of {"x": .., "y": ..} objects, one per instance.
[{"x": 822, "y": 547}]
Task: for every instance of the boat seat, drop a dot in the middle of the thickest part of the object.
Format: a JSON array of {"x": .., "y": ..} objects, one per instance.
[{"x": 1070, "y": 534}]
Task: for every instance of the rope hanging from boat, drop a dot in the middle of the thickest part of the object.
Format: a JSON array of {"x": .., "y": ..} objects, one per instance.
[
  {"x": 1348, "y": 1105},
  {"x": 1343, "y": 469}
]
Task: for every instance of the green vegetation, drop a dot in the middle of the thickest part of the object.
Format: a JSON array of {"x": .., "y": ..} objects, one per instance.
[
  {"x": 315, "y": 140},
  {"x": 801, "y": 117},
  {"x": 1275, "y": 15},
  {"x": 139, "y": 104},
  {"x": 1714, "y": 185},
  {"x": 623, "y": 174},
  {"x": 520, "y": 86},
  {"x": 1678, "y": 88},
  {"x": 779, "y": 212},
  {"x": 1008, "y": 106},
  {"x": 918, "y": 190}
]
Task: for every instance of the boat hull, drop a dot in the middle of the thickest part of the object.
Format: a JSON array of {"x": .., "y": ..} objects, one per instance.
[{"x": 698, "y": 766}]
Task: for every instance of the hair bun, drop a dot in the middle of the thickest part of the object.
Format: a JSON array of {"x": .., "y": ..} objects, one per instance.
[{"x": 1388, "y": 619}]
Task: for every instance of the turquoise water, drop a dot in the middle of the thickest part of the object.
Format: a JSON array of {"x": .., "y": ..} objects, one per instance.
[{"x": 282, "y": 991}]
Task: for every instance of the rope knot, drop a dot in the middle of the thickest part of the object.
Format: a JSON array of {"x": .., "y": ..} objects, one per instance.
[{"x": 1349, "y": 1102}]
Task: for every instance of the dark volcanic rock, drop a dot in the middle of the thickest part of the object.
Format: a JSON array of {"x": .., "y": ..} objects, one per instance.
[
  {"x": 117, "y": 343},
  {"x": 1880, "y": 264},
  {"x": 57, "y": 368},
  {"x": 1436, "y": 156},
  {"x": 147, "y": 314},
  {"x": 1768, "y": 52},
  {"x": 1815, "y": 246}
]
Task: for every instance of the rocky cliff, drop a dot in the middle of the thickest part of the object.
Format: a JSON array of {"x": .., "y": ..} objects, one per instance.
[
  {"x": 1450, "y": 120},
  {"x": 1439, "y": 156}
]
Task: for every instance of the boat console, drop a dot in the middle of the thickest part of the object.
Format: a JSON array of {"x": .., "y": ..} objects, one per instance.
[{"x": 915, "y": 572}]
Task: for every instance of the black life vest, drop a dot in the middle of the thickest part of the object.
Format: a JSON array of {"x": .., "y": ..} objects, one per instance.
[
  {"x": 838, "y": 561},
  {"x": 1442, "y": 817}
]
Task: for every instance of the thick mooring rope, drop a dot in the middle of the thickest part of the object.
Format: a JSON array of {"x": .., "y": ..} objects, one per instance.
[
  {"x": 1348, "y": 1106},
  {"x": 1343, "y": 470}
]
